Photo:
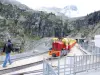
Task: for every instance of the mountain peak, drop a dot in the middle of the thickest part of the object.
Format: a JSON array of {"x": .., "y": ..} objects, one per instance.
[
  {"x": 71, "y": 7},
  {"x": 18, "y": 4},
  {"x": 69, "y": 11}
]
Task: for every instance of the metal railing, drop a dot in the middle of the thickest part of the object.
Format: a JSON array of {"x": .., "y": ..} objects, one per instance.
[
  {"x": 47, "y": 69},
  {"x": 71, "y": 65},
  {"x": 90, "y": 48}
]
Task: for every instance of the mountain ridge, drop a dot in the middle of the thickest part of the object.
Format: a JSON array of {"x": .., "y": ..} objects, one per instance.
[
  {"x": 69, "y": 11},
  {"x": 25, "y": 26}
]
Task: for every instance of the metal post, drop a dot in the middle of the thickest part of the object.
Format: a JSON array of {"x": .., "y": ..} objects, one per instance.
[
  {"x": 80, "y": 59},
  {"x": 96, "y": 60},
  {"x": 74, "y": 66},
  {"x": 99, "y": 58},
  {"x": 47, "y": 69},
  {"x": 51, "y": 61},
  {"x": 92, "y": 49},
  {"x": 93, "y": 61},
  {"x": 81, "y": 62},
  {"x": 70, "y": 64},
  {"x": 58, "y": 65},
  {"x": 43, "y": 67},
  {"x": 86, "y": 64},
  {"x": 65, "y": 66},
  {"x": 89, "y": 62}
]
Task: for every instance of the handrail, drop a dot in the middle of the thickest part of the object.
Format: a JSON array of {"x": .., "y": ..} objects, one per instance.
[
  {"x": 47, "y": 68},
  {"x": 77, "y": 64}
]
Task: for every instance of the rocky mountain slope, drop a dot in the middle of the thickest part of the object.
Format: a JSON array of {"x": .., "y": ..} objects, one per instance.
[
  {"x": 24, "y": 25},
  {"x": 87, "y": 26},
  {"x": 11, "y": 20}
]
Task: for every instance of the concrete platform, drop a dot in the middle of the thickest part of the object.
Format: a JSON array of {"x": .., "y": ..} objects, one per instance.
[
  {"x": 74, "y": 51},
  {"x": 91, "y": 72},
  {"x": 25, "y": 61}
]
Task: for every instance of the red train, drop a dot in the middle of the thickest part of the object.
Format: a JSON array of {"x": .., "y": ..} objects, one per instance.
[{"x": 60, "y": 47}]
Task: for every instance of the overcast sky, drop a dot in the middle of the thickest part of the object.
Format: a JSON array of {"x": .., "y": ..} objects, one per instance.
[{"x": 84, "y": 6}]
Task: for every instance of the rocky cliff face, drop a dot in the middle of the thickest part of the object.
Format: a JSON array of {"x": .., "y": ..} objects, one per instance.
[
  {"x": 87, "y": 26},
  {"x": 11, "y": 20},
  {"x": 24, "y": 25}
]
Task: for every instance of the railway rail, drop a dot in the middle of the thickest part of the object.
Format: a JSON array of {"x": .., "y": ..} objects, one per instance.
[{"x": 8, "y": 70}]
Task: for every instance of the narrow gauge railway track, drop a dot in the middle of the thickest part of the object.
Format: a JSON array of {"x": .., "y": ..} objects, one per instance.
[
  {"x": 12, "y": 69},
  {"x": 8, "y": 70},
  {"x": 35, "y": 72},
  {"x": 20, "y": 56}
]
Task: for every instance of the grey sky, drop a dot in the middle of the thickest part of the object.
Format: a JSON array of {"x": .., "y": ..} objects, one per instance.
[{"x": 84, "y": 6}]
